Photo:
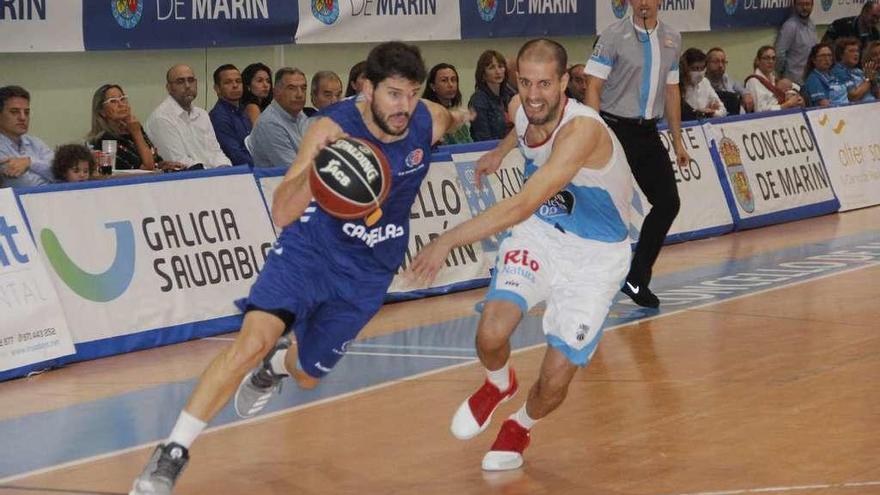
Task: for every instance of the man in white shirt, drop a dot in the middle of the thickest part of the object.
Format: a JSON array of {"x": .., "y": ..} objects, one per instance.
[{"x": 183, "y": 132}]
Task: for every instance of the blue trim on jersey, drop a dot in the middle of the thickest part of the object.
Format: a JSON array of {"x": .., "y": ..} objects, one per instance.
[
  {"x": 602, "y": 60},
  {"x": 577, "y": 357},
  {"x": 506, "y": 295},
  {"x": 646, "y": 78}
]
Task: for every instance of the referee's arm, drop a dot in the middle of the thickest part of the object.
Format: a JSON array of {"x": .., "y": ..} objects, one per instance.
[
  {"x": 594, "y": 92},
  {"x": 673, "y": 119}
]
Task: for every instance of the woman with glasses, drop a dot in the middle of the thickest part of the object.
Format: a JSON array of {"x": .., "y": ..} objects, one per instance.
[
  {"x": 762, "y": 85},
  {"x": 821, "y": 83},
  {"x": 112, "y": 119},
  {"x": 858, "y": 80}
]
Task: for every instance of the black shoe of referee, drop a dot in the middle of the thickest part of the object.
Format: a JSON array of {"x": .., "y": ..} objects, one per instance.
[{"x": 641, "y": 295}]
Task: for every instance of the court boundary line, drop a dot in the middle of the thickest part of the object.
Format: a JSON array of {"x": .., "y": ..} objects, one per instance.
[
  {"x": 380, "y": 386},
  {"x": 780, "y": 489}
]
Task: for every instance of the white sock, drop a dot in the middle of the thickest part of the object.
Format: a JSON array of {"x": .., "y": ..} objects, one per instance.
[
  {"x": 187, "y": 428},
  {"x": 522, "y": 417},
  {"x": 277, "y": 363},
  {"x": 500, "y": 377}
]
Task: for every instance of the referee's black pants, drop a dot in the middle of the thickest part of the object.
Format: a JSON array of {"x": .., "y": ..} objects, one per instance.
[{"x": 652, "y": 170}]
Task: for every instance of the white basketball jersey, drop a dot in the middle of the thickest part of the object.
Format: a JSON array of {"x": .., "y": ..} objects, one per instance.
[{"x": 595, "y": 204}]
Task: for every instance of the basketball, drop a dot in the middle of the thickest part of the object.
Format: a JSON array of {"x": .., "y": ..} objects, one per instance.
[{"x": 350, "y": 179}]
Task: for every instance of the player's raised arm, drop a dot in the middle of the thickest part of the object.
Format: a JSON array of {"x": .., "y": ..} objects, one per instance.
[
  {"x": 582, "y": 142},
  {"x": 294, "y": 194}
]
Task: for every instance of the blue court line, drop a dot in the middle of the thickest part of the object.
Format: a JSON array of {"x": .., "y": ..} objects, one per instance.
[{"x": 100, "y": 427}]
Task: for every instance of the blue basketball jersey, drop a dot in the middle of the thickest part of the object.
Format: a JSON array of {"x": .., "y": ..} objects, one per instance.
[{"x": 350, "y": 244}]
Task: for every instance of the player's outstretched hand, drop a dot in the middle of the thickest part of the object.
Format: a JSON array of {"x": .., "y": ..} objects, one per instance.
[
  {"x": 486, "y": 165},
  {"x": 428, "y": 263}
]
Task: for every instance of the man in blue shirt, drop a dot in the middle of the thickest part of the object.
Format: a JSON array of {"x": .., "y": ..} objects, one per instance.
[
  {"x": 24, "y": 160},
  {"x": 276, "y": 138},
  {"x": 230, "y": 123}
]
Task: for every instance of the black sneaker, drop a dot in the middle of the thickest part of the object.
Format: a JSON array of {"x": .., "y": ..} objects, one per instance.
[
  {"x": 162, "y": 470},
  {"x": 641, "y": 295}
]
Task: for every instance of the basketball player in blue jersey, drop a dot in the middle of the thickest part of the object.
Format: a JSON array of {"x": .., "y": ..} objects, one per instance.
[
  {"x": 325, "y": 277},
  {"x": 569, "y": 247}
]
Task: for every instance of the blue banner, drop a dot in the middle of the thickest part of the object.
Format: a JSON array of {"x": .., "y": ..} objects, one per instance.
[
  {"x": 522, "y": 18},
  {"x": 749, "y": 13},
  {"x": 147, "y": 24}
]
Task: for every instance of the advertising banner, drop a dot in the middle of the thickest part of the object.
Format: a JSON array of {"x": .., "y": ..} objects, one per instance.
[
  {"x": 849, "y": 139},
  {"x": 41, "y": 26},
  {"x": 359, "y": 21},
  {"x": 148, "y": 24},
  {"x": 749, "y": 13},
  {"x": 704, "y": 210},
  {"x": 772, "y": 168},
  {"x": 827, "y": 11},
  {"x": 32, "y": 326},
  {"x": 522, "y": 18},
  {"x": 150, "y": 255},
  {"x": 683, "y": 15}
]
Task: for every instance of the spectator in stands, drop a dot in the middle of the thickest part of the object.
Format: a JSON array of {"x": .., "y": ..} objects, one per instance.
[
  {"x": 182, "y": 131},
  {"x": 787, "y": 86},
  {"x": 356, "y": 77},
  {"x": 871, "y": 53},
  {"x": 114, "y": 120},
  {"x": 732, "y": 93},
  {"x": 577, "y": 83},
  {"x": 858, "y": 81},
  {"x": 326, "y": 90},
  {"x": 73, "y": 163},
  {"x": 257, "y": 79},
  {"x": 762, "y": 84},
  {"x": 862, "y": 27},
  {"x": 443, "y": 88},
  {"x": 796, "y": 36},
  {"x": 491, "y": 98},
  {"x": 276, "y": 138},
  {"x": 822, "y": 85},
  {"x": 24, "y": 159},
  {"x": 230, "y": 123},
  {"x": 698, "y": 98}
]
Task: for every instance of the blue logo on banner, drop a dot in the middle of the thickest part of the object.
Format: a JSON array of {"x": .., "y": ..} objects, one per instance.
[
  {"x": 487, "y": 9},
  {"x": 619, "y": 8},
  {"x": 730, "y": 6},
  {"x": 827, "y": 4},
  {"x": 127, "y": 13},
  {"x": 326, "y": 11}
]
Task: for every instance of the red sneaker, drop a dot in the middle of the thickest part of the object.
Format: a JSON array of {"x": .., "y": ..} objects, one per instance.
[
  {"x": 506, "y": 452},
  {"x": 474, "y": 414}
]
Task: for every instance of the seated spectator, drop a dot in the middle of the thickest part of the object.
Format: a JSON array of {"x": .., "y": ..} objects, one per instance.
[
  {"x": 787, "y": 86},
  {"x": 182, "y": 131},
  {"x": 698, "y": 99},
  {"x": 577, "y": 83},
  {"x": 113, "y": 120},
  {"x": 24, "y": 159},
  {"x": 257, "y": 95},
  {"x": 871, "y": 54},
  {"x": 73, "y": 163},
  {"x": 732, "y": 93},
  {"x": 230, "y": 123},
  {"x": 762, "y": 84},
  {"x": 857, "y": 80},
  {"x": 276, "y": 138},
  {"x": 326, "y": 90},
  {"x": 356, "y": 77},
  {"x": 862, "y": 27},
  {"x": 822, "y": 85},
  {"x": 443, "y": 88},
  {"x": 491, "y": 98}
]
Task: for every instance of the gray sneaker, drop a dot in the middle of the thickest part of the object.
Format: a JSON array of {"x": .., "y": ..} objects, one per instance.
[
  {"x": 162, "y": 470},
  {"x": 258, "y": 386}
]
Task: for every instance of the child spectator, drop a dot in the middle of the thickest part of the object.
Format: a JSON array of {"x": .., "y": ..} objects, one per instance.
[{"x": 73, "y": 163}]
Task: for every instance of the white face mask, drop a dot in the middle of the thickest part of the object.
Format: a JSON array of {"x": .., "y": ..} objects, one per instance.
[{"x": 697, "y": 76}]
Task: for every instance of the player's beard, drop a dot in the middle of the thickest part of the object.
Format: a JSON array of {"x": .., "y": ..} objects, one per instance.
[
  {"x": 381, "y": 120},
  {"x": 552, "y": 112}
]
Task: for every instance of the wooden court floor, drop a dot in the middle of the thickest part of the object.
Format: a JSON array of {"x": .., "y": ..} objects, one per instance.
[{"x": 770, "y": 392}]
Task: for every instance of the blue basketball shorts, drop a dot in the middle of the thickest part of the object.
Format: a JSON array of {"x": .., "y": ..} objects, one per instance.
[{"x": 329, "y": 306}]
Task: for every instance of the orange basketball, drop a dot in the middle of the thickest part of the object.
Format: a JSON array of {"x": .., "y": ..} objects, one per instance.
[{"x": 350, "y": 178}]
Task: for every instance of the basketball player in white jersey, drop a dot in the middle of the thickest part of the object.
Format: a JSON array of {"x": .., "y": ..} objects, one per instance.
[{"x": 569, "y": 247}]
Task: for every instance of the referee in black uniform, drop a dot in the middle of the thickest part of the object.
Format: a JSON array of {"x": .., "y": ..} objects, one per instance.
[{"x": 632, "y": 77}]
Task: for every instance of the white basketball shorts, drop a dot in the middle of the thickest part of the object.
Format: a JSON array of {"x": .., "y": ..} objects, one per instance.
[{"x": 577, "y": 277}]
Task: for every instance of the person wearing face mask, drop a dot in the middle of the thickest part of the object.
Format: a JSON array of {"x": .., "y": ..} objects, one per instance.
[{"x": 699, "y": 99}]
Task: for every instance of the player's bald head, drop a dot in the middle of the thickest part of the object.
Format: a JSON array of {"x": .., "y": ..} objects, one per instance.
[{"x": 543, "y": 50}]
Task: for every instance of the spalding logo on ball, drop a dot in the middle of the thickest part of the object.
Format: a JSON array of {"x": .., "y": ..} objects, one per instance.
[{"x": 350, "y": 179}]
